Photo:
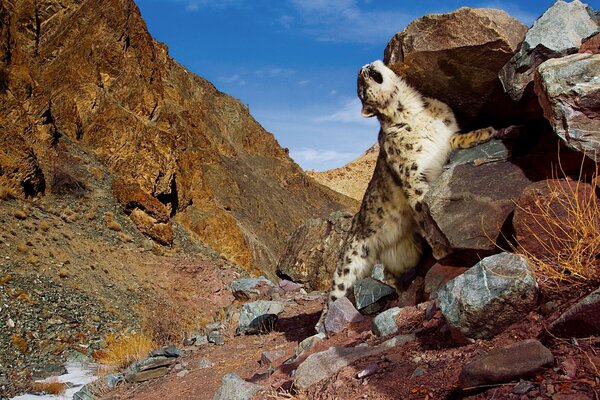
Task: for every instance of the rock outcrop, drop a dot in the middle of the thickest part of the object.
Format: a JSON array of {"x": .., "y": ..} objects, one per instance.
[
  {"x": 568, "y": 90},
  {"x": 90, "y": 73},
  {"x": 558, "y": 32},
  {"x": 441, "y": 61}
]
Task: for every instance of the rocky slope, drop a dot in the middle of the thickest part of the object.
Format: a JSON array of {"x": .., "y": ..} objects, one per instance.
[
  {"x": 90, "y": 72},
  {"x": 351, "y": 179}
]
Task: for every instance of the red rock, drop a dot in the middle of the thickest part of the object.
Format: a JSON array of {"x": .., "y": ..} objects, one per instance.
[
  {"x": 591, "y": 45},
  {"x": 519, "y": 360},
  {"x": 580, "y": 320},
  {"x": 436, "y": 278},
  {"x": 341, "y": 313}
]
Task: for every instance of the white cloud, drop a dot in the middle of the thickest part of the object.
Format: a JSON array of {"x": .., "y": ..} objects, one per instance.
[
  {"x": 322, "y": 156},
  {"x": 286, "y": 21},
  {"x": 235, "y": 78},
  {"x": 274, "y": 72},
  {"x": 303, "y": 83},
  {"x": 348, "y": 114},
  {"x": 332, "y": 93},
  {"x": 346, "y": 21}
]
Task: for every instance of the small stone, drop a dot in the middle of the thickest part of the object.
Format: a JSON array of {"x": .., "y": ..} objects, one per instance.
[
  {"x": 369, "y": 291},
  {"x": 235, "y": 388},
  {"x": 143, "y": 376},
  {"x": 522, "y": 387},
  {"x": 289, "y": 286},
  {"x": 368, "y": 371},
  {"x": 170, "y": 351},
  {"x": 216, "y": 338},
  {"x": 112, "y": 380},
  {"x": 308, "y": 343},
  {"x": 259, "y": 317},
  {"x": 341, "y": 313},
  {"x": 205, "y": 363},
  {"x": 10, "y": 323},
  {"x": 378, "y": 273},
  {"x": 182, "y": 373},
  {"x": 418, "y": 372},
  {"x": 385, "y": 323},
  {"x": 251, "y": 288},
  {"x": 269, "y": 357},
  {"x": 519, "y": 360}
]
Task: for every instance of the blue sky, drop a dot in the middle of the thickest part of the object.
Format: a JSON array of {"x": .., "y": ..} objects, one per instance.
[{"x": 294, "y": 62}]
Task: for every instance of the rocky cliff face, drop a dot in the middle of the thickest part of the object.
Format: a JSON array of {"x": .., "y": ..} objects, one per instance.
[{"x": 90, "y": 73}]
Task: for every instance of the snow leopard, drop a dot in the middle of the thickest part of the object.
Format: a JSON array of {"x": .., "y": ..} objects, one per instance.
[{"x": 415, "y": 140}]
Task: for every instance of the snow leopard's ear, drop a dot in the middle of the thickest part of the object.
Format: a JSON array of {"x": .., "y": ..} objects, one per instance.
[{"x": 367, "y": 111}]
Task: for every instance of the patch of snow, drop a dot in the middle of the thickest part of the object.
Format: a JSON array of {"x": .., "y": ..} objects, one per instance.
[{"x": 78, "y": 374}]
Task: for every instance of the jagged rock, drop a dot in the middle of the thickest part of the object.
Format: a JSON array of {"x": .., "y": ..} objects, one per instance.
[
  {"x": 580, "y": 320},
  {"x": 368, "y": 292},
  {"x": 215, "y": 337},
  {"x": 341, "y": 313},
  {"x": 322, "y": 365},
  {"x": 85, "y": 393},
  {"x": 269, "y": 357},
  {"x": 149, "y": 368},
  {"x": 235, "y": 388},
  {"x": 205, "y": 363},
  {"x": 151, "y": 121},
  {"x": 308, "y": 343},
  {"x": 286, "y": 286},
  {"x": 19, "y": 166},
  {"x": 569, "y": 93},
  {"x": 486, "y": 299},
  {"x": 259, "y": 317},
  {"x": 436, "y": 56},
  {"x": 545, "y": 237},
  {"x": 558, "y": 32},
  {"x": 385, "y": 323},
  {"x": 469, "y": 203},
  {"x": 437, "y": 276},
  {"x": 413, "y": 294},
  {"x": 251, "y": 288},
  {"x": 312, "y": 251},
  {"x": 378, "y": 272},
  {"x": 591, "y": 45},
  {"x": 519, "y": 360}
]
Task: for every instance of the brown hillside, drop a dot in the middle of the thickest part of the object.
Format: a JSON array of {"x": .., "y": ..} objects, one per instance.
[
  {"x": 89, "y": 71},
  {"x": 351, "y": 179}
]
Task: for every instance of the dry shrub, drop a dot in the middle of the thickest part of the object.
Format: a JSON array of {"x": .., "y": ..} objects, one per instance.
[
  {"x": 565, "y": 228},
  {"x": 22, "y": 247},
  {"x": 166, "y": 323},
  {"x": 53, "y": 386},
  {"x": 126, "y": 350},
  {"x": 62, "y": 182},
  {"x": 44, "y": 226},
  {"x": 20, "y": 214},
  {"x": 20, "y": 343},
  {"x": 111, "y": 222}
]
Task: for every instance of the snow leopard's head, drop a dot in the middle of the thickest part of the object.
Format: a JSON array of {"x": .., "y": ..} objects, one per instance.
[{"x": 377, "y": 88}]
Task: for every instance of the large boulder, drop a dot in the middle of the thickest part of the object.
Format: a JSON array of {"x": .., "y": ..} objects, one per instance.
[
  {"x": 568, "y": 89},
  {"x": 312, "y": 251},
  {"x": 469, "y": 203},
  {"x": 558, "y": 32},
  {"x": 456, "y": 58},
  {"x": 580, "y": 320},
  {"x": 490, "y": 296}
]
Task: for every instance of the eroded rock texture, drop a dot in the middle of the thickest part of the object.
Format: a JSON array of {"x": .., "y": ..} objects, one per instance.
[{"x": 90, "y": 73}]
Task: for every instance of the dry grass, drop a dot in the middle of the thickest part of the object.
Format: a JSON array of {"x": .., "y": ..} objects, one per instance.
[
  {"x": 111, "y": 222},
  {"x": 7, "y": 193},
  {"x": 22, "y": 247},
  {"x": 20, "y": 343},
  {"x": 53, "y": 386},
  {"x": 566, "y": 226},
  {"x": 20, "y": 214},
  {"x": 126, "y": 350},
  {"x": 166, "y": 323}
]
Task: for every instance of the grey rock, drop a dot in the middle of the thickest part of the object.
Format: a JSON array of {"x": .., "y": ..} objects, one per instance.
[
  {"x": 418, "y": 372},
  {"x": 522, "y": 387},
  {"x": 341, "y": 313},
  {"x": 147, "y": 375},
  {"x": 235, "y": 388},
  {"x": 259, "y": 317},
  {"x": 182, "y": 373},
  {"x": 486, "y": 299},
  {"x": 322, "y": 365},
  {"x": 289, "y": 286},
  {"x": 250, "y": 288},
  {"x": 201, "y": 340},
  {"x": 378, "y": 272},
  {"x": 313, "y": 250},
  {"x": 558, "y": 32},
  {"x": 308, "y": 343},
  {"x": 205, "y": 363},
  {"x": 85, "y": 393},
  {"x": 216, "y": 337},
  {"x": 112, "y": 380},
  {"x": 149, "y": 368},
  {"x": 47, "y": 370},
  {"x": 568, "y": 90},
  {"x": 478, "y": 182},
  {"x": 580, "y": 320},
  {"x": 385, "y": 323},
  {"x": 368, "y": 371},
  {"x": 170, "y": 351},
  {"x": 519, "y": 360},
  {"x": 369, "y": 291}
]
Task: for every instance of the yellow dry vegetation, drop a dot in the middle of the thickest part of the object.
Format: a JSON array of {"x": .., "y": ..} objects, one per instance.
[
  {"x": 125, "y": 350},
  {"x": 570, "y": 225},
  {"x": 53, "y": 386}
]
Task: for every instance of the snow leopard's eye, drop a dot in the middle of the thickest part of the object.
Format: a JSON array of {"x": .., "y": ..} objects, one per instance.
[{"x": 376, "y": 76}]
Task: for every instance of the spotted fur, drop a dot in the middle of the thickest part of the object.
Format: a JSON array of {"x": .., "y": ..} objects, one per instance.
[{"x": 416, "y": 137}]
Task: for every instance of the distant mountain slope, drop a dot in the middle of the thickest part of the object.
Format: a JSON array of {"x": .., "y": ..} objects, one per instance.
[
  {"x": 351, "y": 179},
  {"x": 90, "y": 71}
]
